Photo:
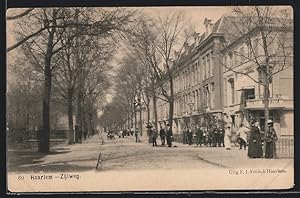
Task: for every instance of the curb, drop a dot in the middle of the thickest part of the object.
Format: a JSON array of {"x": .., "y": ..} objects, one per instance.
[{"x": 211, "y": 162}]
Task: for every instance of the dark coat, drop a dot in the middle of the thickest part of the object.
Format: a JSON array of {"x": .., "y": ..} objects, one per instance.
[
  {"x": 162, "y": 133},
  {"x": 169, "y": 133},
  {"x": 199, "y": 133},
  {"x": 255, "y": 143}
]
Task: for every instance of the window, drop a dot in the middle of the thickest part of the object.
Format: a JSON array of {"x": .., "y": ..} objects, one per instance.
[
  {"x": 208, "y": 66},
  {"x": 250, "y": 94},
  {"x": 211, "y": 65},
  {"x": 212, "y": 95},
  {"x": 242, "y": 55},
  {"x": 225, "y": 92},
  {"x": 206, "y": 96},
  {"x": 231, "y": 82},
  {"x": 249, "y": 54},
  {"x": 204, "y": 67}
]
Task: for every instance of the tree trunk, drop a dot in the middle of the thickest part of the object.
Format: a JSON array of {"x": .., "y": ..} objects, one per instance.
[
  {"x": 148, "y": 112},
  {"x": 141, "y": 124},
  {"x": 70, "y": 117},
  {"x": 267, "y": 113},
  {"x": 171, "y": 103},
  {"x": 155, "y": 111},
  {"x": 44, "y": 137}
]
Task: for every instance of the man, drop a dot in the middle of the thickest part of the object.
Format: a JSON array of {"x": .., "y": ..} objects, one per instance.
[
  {"x": 154, "y": 136},
  {"x": 215, "y": 136},
  {"x": 205, "y": 136},
  {"x": 190, "y": 136},
  {"x": 199, "y": 135},
  {"x": 221, "y": 137},
  {"x": 162, "y": 135},
  {"x": 242, "y": 133},
  {"x": 169, "y": 136},
  {"x": 136, "y": 133},
  {"x": 271, "y": 138}
]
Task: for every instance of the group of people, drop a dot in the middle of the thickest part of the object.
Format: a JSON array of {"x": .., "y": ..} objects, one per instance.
[
  {"x": 255, "y": 141},
  {"x": 253, "y": 137},
  {"x": 126, "y": 132},
  {"x": 165, "y": 135},
  {"x": 212, "y": 138}
]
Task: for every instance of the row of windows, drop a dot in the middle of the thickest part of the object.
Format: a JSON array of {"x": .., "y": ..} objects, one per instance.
[
  {"x": 192, "y": 101},
  {"x": 192, "y": 75}
]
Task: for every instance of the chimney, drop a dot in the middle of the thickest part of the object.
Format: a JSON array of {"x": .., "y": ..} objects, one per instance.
[
  {"x": 208, "y": 26},
  {"x": 196, "y": 39}
]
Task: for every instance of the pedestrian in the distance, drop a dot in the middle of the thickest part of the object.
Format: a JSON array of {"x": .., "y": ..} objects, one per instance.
[
  {"x": 169, "y": 136},
  {"x": 242, "y": 133},
  {"x": 136, "y": 133},
  {"x": 154, "y": 136},
  {"x": 162, "y": 135},
  {"x": 255, "y": 146},
  {"x": 205, "y": 136},
  {"x": 271, "y": 139},
  {"x": 199, "y": 136},
  {"x": 190, "y": 136},
  {"x": 227, "y": 136},
  {"x": 221, "y": 137}
]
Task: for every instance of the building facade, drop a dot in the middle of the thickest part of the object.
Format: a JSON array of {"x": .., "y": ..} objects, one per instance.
[{"x": 204, "y": 84}]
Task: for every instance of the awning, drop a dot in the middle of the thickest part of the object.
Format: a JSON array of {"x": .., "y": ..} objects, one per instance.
[{"x": 246, "y": 88}]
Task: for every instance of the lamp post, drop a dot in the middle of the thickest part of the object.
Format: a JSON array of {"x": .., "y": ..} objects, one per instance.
[
  {"x": 191, "y": 106},
  {"x": 135, "y": 105}
]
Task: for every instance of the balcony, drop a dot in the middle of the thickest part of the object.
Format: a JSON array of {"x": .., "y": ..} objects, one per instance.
[{"x": 275, "y": 102}]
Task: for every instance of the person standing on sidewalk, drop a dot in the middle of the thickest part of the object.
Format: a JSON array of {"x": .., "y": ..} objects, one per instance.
[
  {"x": 255, "y": 146},
  {"x": 136, "y": 133},
  {"x": 154, "y": 136},
  {"x": 162, "y": 135},
  {"x": 242, "y": 133},
  {"x": 199, "y": 135},
  {"x": 227, "y": 136},
  {"x": 169, "y": 136},
  {"x": 271, "y": 138},
  {"x": 205, "y": 136},
  {"x": 190, "y": 136}
]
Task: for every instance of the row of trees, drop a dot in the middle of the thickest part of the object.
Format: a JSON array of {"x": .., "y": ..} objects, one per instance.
[
  {"x": 67, "y": 51},
  {"x": 146, "y": 71}
]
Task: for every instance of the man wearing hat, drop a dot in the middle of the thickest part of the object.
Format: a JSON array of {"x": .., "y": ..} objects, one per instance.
[
  {"x": 271, "y": 138},
  {"x": 169, "y": 135}
]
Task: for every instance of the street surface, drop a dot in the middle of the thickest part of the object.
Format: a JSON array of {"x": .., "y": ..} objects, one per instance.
[{"x": 125, "y": 154}]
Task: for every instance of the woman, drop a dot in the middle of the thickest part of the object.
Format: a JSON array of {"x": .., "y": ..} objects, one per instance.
[
  {"x": 255, "y": 146},
  {"x": 227, "y": 135},
  {"x": 242, "y": 133},
  {"x": 271, "y": 138}
]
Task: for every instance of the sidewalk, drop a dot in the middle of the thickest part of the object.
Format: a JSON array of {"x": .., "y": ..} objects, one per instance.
[{"x": 233, "y": 158}]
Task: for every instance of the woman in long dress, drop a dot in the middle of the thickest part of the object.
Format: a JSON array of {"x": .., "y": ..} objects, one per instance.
[
  {"x": 227, "y": 136},
  {"x": 255, "y": 143}
]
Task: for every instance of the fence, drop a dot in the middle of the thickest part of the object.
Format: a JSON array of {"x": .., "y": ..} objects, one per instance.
[{"x": 285, "y": 148}]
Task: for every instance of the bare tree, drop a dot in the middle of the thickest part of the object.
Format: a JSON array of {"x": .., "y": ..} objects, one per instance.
[
  {"x": 157, "y": 41},
  {"x": 267, "y": 32}
]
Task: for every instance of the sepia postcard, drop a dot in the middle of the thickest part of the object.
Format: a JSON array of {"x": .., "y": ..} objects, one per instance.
[{"x": 116, "y": 99}]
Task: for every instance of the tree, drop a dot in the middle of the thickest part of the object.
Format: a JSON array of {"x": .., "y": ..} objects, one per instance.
[
  {"x": 159, "y": 47},
  {"x": 269, "y": 53},
  {"x": 40, "y": 33}
]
